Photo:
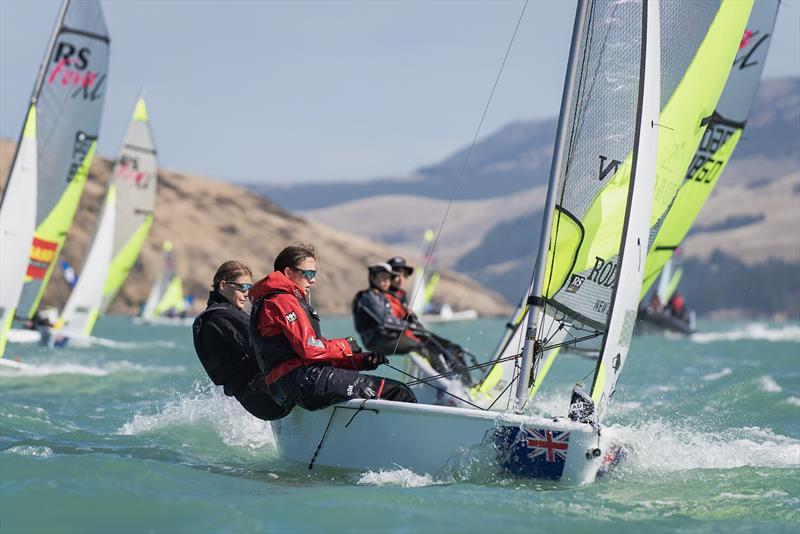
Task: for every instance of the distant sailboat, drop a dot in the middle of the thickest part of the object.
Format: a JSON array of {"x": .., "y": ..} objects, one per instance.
[
  {"x": 660, "y": 313},
  {"x": 427, "y": 280},
  {"x": 166, "y": 303},
  {"x": 53, "y": 157},
  {"x": 122, "y": 228}
]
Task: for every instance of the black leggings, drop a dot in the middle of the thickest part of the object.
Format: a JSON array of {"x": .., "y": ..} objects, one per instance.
[
  {"x": 317, "y": 386},
  {"x": 255, "y": 398}
]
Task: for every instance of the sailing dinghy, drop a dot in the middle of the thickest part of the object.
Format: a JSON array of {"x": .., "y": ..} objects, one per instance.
[
  {"x": 424, "y": 288},
  {"x": 166, "y": 304},
  {"x": 595, "y": 237},
  {"x": 121, "y": 230},
  {"x": 53, "y": 157},
  {"x": 615, "y": 116}
]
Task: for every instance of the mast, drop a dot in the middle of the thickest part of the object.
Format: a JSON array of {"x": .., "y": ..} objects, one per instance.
[
  {"x": 633, "y": 245},
  {"x": 37, "y": 85},
  {"x": 535, "y": 299}
]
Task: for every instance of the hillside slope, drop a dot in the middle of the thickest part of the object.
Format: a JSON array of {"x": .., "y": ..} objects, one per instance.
[
  {"x": 210, "y": 221},
  {"x": 750, "y": 226}
]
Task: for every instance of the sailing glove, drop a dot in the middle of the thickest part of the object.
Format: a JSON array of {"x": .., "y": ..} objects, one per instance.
[
  {"x": 353, "y": 344},
  {"x": 371, "y": 360}
]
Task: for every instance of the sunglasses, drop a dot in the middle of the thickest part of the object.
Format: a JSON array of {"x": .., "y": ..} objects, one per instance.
[
  {"x": 308, "y": 274},
  {"x": 244, "y": 288}
]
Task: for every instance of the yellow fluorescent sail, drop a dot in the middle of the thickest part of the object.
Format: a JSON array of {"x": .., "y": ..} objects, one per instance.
[
  {"x": 684, "y": 118},
  {"x": 173, "y": 299},
  {"x": 722, "y": 132},
  {"x": 52, "y": 232}
]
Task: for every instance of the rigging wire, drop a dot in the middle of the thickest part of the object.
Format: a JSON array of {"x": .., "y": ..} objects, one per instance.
[{"x": 464, "y": 166}]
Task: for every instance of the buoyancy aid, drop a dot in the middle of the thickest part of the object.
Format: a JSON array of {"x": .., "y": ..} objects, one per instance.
[
  {"x": 224, "y": 354},
  {"x": 270, "y": 351}
]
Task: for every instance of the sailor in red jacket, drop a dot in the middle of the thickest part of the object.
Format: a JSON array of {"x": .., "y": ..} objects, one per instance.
[{"x": 302, "y": 366}]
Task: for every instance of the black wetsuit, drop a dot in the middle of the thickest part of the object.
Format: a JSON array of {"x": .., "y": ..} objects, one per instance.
[
  {"x": 222, "y": 342},
  {"x": 385, "y": 333}
]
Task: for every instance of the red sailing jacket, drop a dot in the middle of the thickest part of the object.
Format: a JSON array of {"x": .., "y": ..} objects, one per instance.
[
  {"x": 282, "y": 314},
  {"x": 400, "y": 311}
]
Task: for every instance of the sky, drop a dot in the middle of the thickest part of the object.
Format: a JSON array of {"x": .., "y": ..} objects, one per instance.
[{"x": 289, "y": 92}]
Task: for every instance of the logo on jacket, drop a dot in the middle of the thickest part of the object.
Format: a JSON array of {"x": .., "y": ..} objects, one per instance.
[
  {"x": 314, "y": 342},
  {"x": 291, "y": 317}
]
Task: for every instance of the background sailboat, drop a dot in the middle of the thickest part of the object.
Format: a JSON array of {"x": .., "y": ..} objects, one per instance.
[
  {"x": 166, "y": 303},
  {"x": 121, "y": 230},
  {"x": 425, "y": 285},
  {"x": 53, "y": 157}
]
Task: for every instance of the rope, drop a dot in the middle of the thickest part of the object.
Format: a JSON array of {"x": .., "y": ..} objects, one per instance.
[
  {"x": 464, "y": 166},
  {"x": 322, "y": 439}
]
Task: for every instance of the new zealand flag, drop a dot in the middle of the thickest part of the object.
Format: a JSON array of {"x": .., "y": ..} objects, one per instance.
[{"x": 532, "y": 452}]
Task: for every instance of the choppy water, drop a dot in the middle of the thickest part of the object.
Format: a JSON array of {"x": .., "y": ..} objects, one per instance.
[{"x": 132, "y": 437}]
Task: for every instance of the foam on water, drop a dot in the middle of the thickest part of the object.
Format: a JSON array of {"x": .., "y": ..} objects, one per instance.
[
  {"x": 754, "y": 331},
  {"x": 794, "y": 401},
  {"x": 768, "y": 384},
  {"x": 47, "y": 369},
  {"x": 720, "y": 374},
  {"x": 21, "y": 370},
  {"x": 665, "y": 447},
  {"x": 400, "y": 477},
  {"x": 209, "y": 406},
  {"x": 30, "y": 450}
]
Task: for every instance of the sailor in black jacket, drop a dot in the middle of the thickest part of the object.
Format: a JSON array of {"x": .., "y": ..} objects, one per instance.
[{"x": 222, "y": 342}]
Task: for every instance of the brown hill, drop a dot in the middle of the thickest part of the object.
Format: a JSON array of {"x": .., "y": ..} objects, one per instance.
[{"x": 210, "y": 221}]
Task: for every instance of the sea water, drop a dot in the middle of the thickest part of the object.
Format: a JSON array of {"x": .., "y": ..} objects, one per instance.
[{"x": 132, "y": 437}]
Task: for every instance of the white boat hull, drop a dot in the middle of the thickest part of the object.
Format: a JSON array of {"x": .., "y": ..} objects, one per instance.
[
  {"x": 164, "y": 321},
  {"x": 452, "y": 316},
  {"x": 377, "y": 434},
  {"x": 17, "y": 335}
]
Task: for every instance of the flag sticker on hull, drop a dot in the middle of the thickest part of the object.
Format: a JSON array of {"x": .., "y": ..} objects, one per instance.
[{"x": 532, "y": 452}]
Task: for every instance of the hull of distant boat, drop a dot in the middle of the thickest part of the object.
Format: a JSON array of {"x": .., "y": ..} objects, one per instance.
[
  {"x": 164, "y": 321},
  {"x": 16, "y": 335},
  {"x": 379, "y": 435},
  {"x": 648, "y": 321},
  {"x": 463, "y": 315}
]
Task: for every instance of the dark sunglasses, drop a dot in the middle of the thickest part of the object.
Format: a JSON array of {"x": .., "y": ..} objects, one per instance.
[
  {"x": 307, "y": 274},
  {"x": 244, "y": 288}
]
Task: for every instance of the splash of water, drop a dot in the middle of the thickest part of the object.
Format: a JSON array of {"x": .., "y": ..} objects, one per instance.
[
  {"x": 667, "y": 447},
  {"x": 206, "y": 406},
  {"x": 30, "y": 450},
  {"x": 400, "y": 477}
]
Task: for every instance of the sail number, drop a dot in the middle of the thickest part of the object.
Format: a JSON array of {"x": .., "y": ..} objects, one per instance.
[{"x": 705, "y": 167}]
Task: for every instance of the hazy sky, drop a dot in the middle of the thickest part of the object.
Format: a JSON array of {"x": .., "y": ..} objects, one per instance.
[{"x": 285, "y": 92}]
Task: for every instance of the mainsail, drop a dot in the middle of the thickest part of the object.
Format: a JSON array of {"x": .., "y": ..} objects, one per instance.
[
  {"x": 53, "y": 157},
  {"x": 700, "y": 82},
  {"x": 68, "y": 113},
  {"x": 135, "y": 176},
  {"x": 595, "y": 227},
  {"x": 121, "y": 229},
  {"x": 721, "y": 136}
]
